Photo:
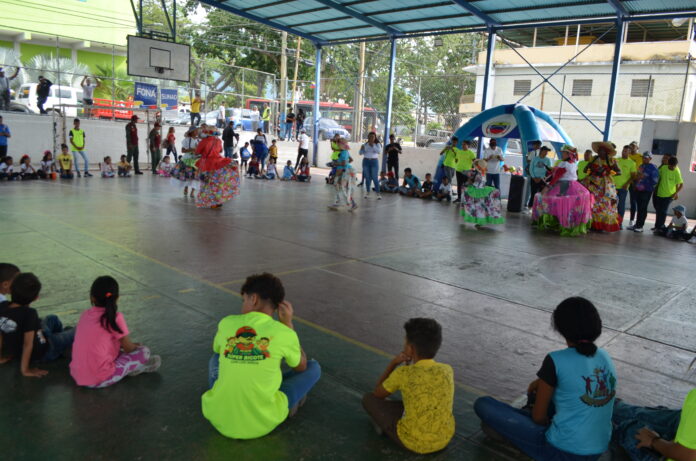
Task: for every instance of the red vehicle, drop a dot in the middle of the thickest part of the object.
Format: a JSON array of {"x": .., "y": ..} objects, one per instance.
[{"x": 341, "y": 113}]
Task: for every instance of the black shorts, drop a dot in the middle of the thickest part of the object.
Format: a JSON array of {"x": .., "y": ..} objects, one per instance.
[{"x": 87, "y": 102}]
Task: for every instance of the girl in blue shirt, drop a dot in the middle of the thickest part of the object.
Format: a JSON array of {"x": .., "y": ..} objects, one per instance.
[{"x": 571, "y": 401}]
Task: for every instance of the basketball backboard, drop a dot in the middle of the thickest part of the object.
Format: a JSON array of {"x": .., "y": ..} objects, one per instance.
[{"x": 158, "y": 59}]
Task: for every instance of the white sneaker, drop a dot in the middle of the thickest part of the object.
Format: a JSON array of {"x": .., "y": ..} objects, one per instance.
[
  {"x": 151, "y": 366},
  {"x": 638, "y": 229},
  {"x": 631, "y": 227},
  {"x": 631, "y": 223},
  {"x": 379, "y": 197}
]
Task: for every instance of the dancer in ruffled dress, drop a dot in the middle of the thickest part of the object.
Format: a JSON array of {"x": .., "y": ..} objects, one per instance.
[
  {"x": 481, "y": 204},
  {"x": 218, "y": 176},
  {"x": 605, "y": 216},
  {"x": 346, "y": 178},
  {"x": 565, "y": 205},
  {"x": 184, "y": 174}
]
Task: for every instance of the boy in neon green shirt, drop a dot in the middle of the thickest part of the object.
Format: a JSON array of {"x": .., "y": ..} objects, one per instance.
[
  {"x": 623, "y": 180},
  {"x": 249, "y": 396},
  {"x": 451, "y": 153},
  {"x": 669, "y": 184},
  {"x": 423, "y": 422},
  {"x": 464, "y": 164}
]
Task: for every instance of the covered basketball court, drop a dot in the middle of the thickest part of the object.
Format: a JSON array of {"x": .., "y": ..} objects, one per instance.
[{"x": 354, "y": 279}]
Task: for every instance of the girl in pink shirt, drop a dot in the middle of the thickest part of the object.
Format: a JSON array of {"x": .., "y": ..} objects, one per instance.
[{"x": 103, "y": 353}]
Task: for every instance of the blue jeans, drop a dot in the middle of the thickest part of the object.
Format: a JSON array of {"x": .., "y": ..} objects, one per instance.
[
  {"x": 288, "y": 131},
  {"x": 622, "y": 193},
  {"x": 58, "y": 339},
  {"x": 518, "y": 428},
  {"x": 493, "y": 180},
  {"x": 296, "y": 385},
  {"x": 629, "y": 419},
  {"x": 229, "y": 152},
  {"x": 84, "y": 159},
  {"x": 370, "y": 173}
]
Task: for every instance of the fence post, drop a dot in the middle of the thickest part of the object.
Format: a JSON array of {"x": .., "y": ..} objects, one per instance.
[
  {"x": 390, "y": 97},
  {"x": 315, "y": 114}
]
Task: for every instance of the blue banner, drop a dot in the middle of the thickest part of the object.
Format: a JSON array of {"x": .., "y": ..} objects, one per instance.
[
  {"x": 146, "y": 94},
  {"x": 169, "y": 98}
]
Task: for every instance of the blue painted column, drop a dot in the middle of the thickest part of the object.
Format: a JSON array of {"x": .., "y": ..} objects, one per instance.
[
  {"x": 615, "y": 68},
  {"x": 490, "y": 49},
  {"x": 390, "y": 97},
  {"x": 315, "y": 114}
]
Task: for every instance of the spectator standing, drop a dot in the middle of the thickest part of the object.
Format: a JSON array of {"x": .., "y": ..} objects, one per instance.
[
  {"x": 624, "y": 180},
  {"x": 266, "y": 118},
  {"x": 464, "y": 164},
  {"x": 637, "y": 158},
  {"x": 300, "y": 119},
  {"x": 538, "y": 169},
  {"x": 4, "y": 136},
  {"x": 42, "y": 90},
  {"x": 289, "y": 122},
  {"x": 132, "y": 144},
  {"x": 221, "y": 116},
  {"x": 668, "y": 186},
  {"x": 255, "y": 117},
  {"x": 393, "y": 150},
  {"x": 77, "y": 141},
  {"x": 228, "y": 136},
  {"x": 88, "y": 92},
  {"x": 371, "y": 151},
  {"x": 494, "y": 159},
  {"x": 155, "y": 143},
  {"x": 170, "y": 143},
  {"x": 645, "y": 183},
  {"x": 303, "y": 147},
  {"x": 5, "y": 88},
  {"x": 196, "y": 110}
]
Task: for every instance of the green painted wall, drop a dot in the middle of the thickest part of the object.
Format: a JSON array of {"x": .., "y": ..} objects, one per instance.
[
  {"x": 92, "y": 60},
  {"x": 5, "y": 44},
  {"x": 29, "y": 50}
]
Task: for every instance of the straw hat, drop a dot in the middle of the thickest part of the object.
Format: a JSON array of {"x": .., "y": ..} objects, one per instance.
[
  {"x": 480, "y": 163},
  {"x": 609, "y": 146}
]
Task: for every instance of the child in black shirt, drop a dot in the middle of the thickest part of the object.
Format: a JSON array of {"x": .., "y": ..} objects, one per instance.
[
  {"x": 427, "y": 188},
  {"x": 24, "y": 335}
]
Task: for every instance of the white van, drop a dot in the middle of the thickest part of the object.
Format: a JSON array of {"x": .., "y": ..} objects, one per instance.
[{"x": 58, "y": 94}]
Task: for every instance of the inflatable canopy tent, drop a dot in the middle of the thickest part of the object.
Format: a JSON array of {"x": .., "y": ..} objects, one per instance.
[{"x": 514, "y": 121}]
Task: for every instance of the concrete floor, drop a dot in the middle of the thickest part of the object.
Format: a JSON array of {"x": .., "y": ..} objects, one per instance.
[{"x": 353, "y": 278}]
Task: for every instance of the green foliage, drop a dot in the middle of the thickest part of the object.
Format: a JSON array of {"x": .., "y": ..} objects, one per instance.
[
  {"x": 61, "y": 71},
  {"x": 433, "y": 126}
]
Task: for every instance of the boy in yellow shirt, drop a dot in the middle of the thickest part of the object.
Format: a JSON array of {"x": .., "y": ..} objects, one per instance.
[
  {"x": 65, "y": 161},
  {"x": 423, "y": 422},
  {"x": 465, "y": 163}
]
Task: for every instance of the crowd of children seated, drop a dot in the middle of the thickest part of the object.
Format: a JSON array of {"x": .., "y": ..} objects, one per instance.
[{"x": 572, "y": 411}]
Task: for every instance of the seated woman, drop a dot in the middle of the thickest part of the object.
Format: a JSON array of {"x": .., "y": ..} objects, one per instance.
[
  {"x": 572, "y": 401},
  {"x": 651, "y": 434},
  {"x": 565, "y": 206}
]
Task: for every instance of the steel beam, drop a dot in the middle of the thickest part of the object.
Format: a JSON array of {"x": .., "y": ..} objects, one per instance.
[
  {"x": 259, "y": 19},
  {"x": 390, "y": 97},
  {"x": 476, "y": 12},
  {"x": 490, "y": 49},
  {"x": 315, "y": 114},
  {"x": 615, "y": 68},
  {"x": 357, "y": 15},
  {"x": 621, "y": 11}
]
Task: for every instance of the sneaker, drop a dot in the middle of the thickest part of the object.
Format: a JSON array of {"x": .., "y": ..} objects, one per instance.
[
  {"x": 638, "y": 229},
  {"x": 631, "y": 223},
  {"x": 353, "y": 207},
  {"x": 88, "y": 174},
  {"x": 151, "y": 366},
  {"x": 632, "y": 227},
  {"x": 138, "y": 172},
  {"x": 379, "y": 197},
  {"x": 78, "y": 174}
]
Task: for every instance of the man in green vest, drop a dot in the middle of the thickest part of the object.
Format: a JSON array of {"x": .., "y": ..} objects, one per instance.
[
  {"x": 266, "y": 117},
  {"x": 77, "y": 142},
  {"x": 464, "y": 164}
]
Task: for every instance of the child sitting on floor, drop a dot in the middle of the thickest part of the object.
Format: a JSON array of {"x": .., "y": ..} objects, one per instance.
[
  {"x": 7, "y": 169},
  {"x": 24, "y": 335},
  {"x": 382, "y": 181},
  {"x": 164, "y": 169},
  {"x": 48, "y": 166},
  {"x": 303, "y": 174},
  {"x": 271, "y": 170},
  {"x": 444, "y": 192},
  {"x": 103, "y": 353},
  {"x": 253, "y": 170},
  {"x": 423, "y": 422},
  {"x": 8, "y": 272},
  {"x": 411, "y": 184},
  {"x": 65, "y": 161},
  {"x": 288, "y": 172},
  {"x": 676, "y": 228},
  {"x": 572, "y": 399},
  {"x": 124, "y": 167},
  {"x": 427, "y": 188},
  {"x": 26, "y": 171},
  {"x": 392, "y": 184},
  {"x": 107, "y": 169}
]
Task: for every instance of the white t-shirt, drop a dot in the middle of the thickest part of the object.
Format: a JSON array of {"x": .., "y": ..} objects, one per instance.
[
  {"x": 680, "y": 222},
  {"x": 255, "y": 116},
  {"x": 304, "y": 141},
  {"x": 261, "y": 137},
  {"x": 4, "y": 168},
  {"x": 271, "y": 169},
  {"x": 46, "y": 165},
  {"x": 88, "y": 90},
  {"x": 571, "y": 171},
  {"x": 189, "y": 143},
  {"x": 26, "y": 168},
  {"x": 221, "y": 112},
  {"x": 107, "y": 168},
  {"x": 445, "y": 188},
  {"x": 493, "y": 163},
  {"x": 371, "y": 151}
]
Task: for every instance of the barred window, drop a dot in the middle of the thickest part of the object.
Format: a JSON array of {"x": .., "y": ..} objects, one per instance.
[
  {"x": 521, "y": 87},
  {"x": 582, "y": 87},
  {"x": 641, "y": 88}
]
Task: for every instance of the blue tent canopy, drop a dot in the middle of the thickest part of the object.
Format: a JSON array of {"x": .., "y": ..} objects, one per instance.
[{"x": 514, "y": 121}]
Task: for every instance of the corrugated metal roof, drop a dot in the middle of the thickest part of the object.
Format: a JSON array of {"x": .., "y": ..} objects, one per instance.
[{"x": 332, "y": 20}]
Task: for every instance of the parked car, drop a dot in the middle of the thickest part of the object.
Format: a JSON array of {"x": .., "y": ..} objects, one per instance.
[
  {"x": 432, "y": 136},
  {"x": 180, "y": 116},
  {"x": 59, "y": 94},
  {"x": 327, "y": 128},
  {"x": 242, "y": 119}
]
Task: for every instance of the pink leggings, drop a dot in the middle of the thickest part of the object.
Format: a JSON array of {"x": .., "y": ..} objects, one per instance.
[{"x": 127, "y": 364}]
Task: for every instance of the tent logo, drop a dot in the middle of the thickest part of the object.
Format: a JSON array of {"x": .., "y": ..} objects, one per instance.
[{"x": 496, "y": 129}]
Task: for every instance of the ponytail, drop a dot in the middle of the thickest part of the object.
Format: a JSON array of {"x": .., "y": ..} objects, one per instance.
[
  {"x": 578, "y": 321},
  {"x": 104, "y": 292}
]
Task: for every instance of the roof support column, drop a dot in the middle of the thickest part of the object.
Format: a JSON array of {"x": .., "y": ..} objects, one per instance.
[
  {"x": 615, "y": 68},
  {"x": 390, "y": 97},
  {"x": 490, "y": 49},
  {"x": 315, "y": 114}
]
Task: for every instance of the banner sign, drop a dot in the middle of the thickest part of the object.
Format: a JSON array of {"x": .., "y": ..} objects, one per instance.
[
  {"x": 146, "y": 95},
  {"x": 169, "y": 98}
]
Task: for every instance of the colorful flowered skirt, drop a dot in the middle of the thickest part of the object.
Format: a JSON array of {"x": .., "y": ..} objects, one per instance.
[
  {"x": 218, "y": 186},
  {"x": 565, "y": 208},
  {"x": 481, "y": 205},
  {"x": 605, "y": 216}
]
